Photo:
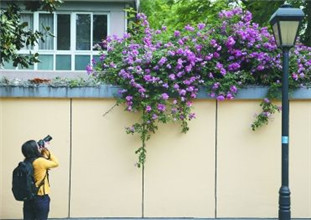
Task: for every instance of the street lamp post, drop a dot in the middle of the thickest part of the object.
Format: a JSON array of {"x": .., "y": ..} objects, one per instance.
[{"x": 285, "y": 23}]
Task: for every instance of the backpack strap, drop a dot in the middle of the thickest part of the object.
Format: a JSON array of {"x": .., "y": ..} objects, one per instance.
[
  {"x": 42, "y": 182},
  {"x": 31, "y": 160}
]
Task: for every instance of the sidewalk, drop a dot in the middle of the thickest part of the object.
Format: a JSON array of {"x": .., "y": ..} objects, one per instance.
[{"x": 171, "y": 218}]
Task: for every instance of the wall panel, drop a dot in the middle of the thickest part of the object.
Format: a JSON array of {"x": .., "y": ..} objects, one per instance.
[
  {"x": 24, "y": 119},
  {"x": 180, "y": 168},
  {"x": 1, "y": 159},
  {"x": 300, "y": 158},
  {"x": 249, "y": 163},
  {"x": 105, "y": 182}
]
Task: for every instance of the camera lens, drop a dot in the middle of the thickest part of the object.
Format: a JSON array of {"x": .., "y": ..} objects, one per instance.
[{"x": 47, "y": 138}]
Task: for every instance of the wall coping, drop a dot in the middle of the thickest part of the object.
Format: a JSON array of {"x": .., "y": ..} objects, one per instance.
[{"x": 110, "y": 91}]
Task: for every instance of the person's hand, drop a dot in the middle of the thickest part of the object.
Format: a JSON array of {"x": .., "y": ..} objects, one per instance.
[
  {"x": 46, "y": 145},
  {"x": 45, "y": 151}
]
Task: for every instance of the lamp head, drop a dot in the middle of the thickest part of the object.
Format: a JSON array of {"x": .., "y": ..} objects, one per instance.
[{"x": 285, "y": 24}]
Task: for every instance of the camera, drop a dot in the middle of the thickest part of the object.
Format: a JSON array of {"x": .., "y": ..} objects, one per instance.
[{"x": 46, "y": 139}]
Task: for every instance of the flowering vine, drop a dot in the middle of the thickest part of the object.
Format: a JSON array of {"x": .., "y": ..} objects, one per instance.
[{"x": 160, "y": 73}]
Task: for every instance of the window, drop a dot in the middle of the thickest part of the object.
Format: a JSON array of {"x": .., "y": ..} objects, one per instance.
[{"x": 72, "y": 48}]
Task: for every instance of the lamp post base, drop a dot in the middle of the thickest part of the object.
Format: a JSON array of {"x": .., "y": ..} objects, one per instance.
[{"x": 284, "y": 203}]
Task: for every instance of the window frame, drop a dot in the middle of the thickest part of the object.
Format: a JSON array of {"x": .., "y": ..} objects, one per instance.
[{"x": 73, "y": 52}]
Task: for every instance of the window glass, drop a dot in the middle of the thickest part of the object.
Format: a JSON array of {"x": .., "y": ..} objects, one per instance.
[
  {"x": 83, "y": 28},
  {"x": 96, "y": 58},
  {"x": 63, "y": 62},
  {"x": 9, "y": 65},
  {"x": 46, "y": 20},
  {"x": 30, "y": 67},
  {"x": 63, "y": 32},
  {"x": 99, "y": 28},
  {"x": 81, "y": 62},
  {"x": 28, "y": 18},
  {"x": 46, "y": 62}
]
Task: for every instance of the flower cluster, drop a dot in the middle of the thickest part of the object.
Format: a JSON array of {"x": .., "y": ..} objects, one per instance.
[{"x": 159, "y": 74}]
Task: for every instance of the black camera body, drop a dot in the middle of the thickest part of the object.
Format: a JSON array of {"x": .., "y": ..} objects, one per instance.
[{"x": 46, "y": 139}]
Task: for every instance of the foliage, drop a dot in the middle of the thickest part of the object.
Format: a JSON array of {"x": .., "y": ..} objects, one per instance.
[
  {"x": 178, "y": 13},
  {"x": 15, "y": 35},
  {"x": 262, "y": 11},
  {"x": 160, "y": 73}
]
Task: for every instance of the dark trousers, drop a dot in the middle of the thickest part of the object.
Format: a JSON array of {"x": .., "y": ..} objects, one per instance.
[{"x": 37, "y": 208}]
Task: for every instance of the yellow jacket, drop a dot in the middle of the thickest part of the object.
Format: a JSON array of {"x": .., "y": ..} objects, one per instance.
[{"x": 41, "y": 165}]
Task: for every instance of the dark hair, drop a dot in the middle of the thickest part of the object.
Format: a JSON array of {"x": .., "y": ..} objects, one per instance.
[{"x": 30, "y": 150}]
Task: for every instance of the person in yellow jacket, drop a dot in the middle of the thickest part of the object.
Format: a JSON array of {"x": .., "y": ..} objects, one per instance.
[{"x": 42, "y": 160}]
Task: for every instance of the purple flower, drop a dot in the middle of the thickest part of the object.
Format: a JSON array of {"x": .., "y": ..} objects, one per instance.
[
  {"x": 213, "y": 43},
  {"x": 266, "y": 100},
  {"x": 198, "y": 47},
  {"x": 162, "y": 61},
  {"x": 208, "y": 57},
  {"x": 112, "y": 65},
  {"x": 148, "y": 108},
  {"x": 154, "y": 116},
  {"x": 165, "y": 96},
  {"x": 266, "y": 114},
  {"x": 171, "y": 53},
  {"x": 121, "y": 91},
  {"x": 180, "y": 74},
  {"x": 89, "y": 69},
  {"x": 192, "y": 116},
  {"x": 129, "y": 98},
  {"x": 141, "y": 90},
  {"x": 187, "y": 82},
  {"x": 247, "y": 17},
  {"x": 216, "y": 86},
  {"x": 229, "y": 96},
  {"x": 147, "y": 78},
  {"x": 230, "y": 42},
  {"x": 176, "y": 33},
  {"x": 223, "y": 71},
  {"x": 260, "y": 67},
  {"x": 182, "y": 92},
  {"x": 190, "y": 89},
  {"x": 295, "y": 76},
  {"x": 161, "y": 107},
  {"x": 188, "y": 68},
  {"x": 102, "y": 57},
  {"x": 172, "y": 77},
  {"x": 233, "y": 89},
  {"x": 216, "y": 55},
  {"x": 233, "y": 66},
  {"x": 176, "y": 86},
  {"x": 131, "y": 129},
  {"x": 189, "y": 28},
  {"x": 220, "y": 98},
  {"x": 93, "y": 61},
  {"x": 165, "y": 85},
  {"x": 201, "y": 26}
]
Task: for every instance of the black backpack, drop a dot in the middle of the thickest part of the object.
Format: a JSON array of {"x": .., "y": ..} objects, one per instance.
[{"x": 23, "y": 184}]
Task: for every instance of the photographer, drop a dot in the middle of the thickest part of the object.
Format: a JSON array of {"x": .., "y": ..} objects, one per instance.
[{"x": 42, "y": 160}]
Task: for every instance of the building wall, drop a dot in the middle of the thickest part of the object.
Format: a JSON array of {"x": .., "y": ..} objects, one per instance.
[{"x": 220, "y": 168}]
